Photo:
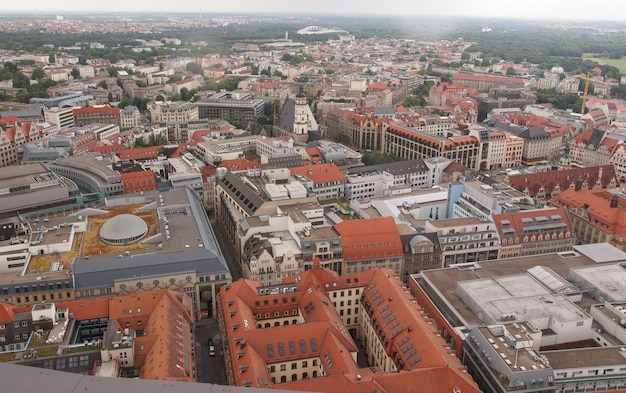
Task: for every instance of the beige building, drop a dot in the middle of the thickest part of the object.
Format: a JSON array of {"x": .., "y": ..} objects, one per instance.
[
  {"x": 172, "y": 112},
  {"x": 514, "y": 151},
  {"x": 533, "y": 232}
]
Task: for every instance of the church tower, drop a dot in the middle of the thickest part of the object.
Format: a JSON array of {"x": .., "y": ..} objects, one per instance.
[{"x": 301, "y": 121}]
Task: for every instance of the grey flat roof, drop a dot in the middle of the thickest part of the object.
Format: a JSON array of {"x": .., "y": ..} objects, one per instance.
[
  {"x": 395, "y": 168},
  {"x": 601, "y": 252},
  {"x": 445, "y": 279},
  {"x": 31, "y": 379},
  {"x": 608, "y": 278},
  {"x": 20, "y": 172},
  {"x": 89, "y": 274}
]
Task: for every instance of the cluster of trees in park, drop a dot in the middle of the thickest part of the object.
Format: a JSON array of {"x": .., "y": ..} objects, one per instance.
[
  {"x": 418, "y": 98},
  {"x": 547, "y": 48},
  {"x": 373, "y": 158},
  {"x": 159, "y": 140},
  {"x": 10, "y": 71},
  {"x": 560, "y": 100}
]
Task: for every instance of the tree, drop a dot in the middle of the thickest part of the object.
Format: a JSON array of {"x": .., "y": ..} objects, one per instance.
[
  {"x": 511, "y": 71},
  {"x": 413, "y": 101},
  {"x": 194, "y": 68},
  {"x": 10, "y": 66},
  {"x": 370, "y": 158},
  {"x": 465, "y": 56},
  {"x": 267, "y": 71},
  {"x": 38, "y": 74},
  {"x": 124, "y": 103},
  {"x": 75, "y": 73},
  {"x": 103, "y": 84},
  {"x": 184, "y": 94}
]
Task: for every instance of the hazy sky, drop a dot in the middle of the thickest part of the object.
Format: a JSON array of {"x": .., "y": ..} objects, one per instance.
[{"x": 533, "y": 9}]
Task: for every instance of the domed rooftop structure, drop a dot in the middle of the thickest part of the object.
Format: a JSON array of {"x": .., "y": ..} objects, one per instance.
[
  {"x": 418, "y": 239},
  {"x": 123, "y": 229}
]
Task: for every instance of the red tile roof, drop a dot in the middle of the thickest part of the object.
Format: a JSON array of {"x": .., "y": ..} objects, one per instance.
[
  {"x": 370, "y": 238},
  {"x": 531, "y": 183},
  {"x": 101, "y": 110},
  {"x": 601, "y": 214},
  {"x": 239, "y": 165},
  {"x": 427, "y": 362},
  {"x": 321, "y": 173}
]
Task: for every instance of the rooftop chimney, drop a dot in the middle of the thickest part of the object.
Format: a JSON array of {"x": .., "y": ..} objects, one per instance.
[{"x": 578, "y": 185}]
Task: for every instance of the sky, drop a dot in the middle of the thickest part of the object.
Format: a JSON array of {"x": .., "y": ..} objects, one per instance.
[{"x": 528, "y": 9}]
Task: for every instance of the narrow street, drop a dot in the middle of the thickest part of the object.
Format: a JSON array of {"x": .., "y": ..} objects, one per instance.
[{"x": 209, "y": 369}]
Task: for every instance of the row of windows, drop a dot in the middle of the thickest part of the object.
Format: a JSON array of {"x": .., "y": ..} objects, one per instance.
[
  {"x": 52, "y": 296},
  {"x": 64, "y": 363},
  {"x": 17, "y": 337},
  {"x": 16, "y": 324},
  {"x": 294, "y": 365},
  {"x": 38, "y": 288},
  {"x": 277, "y": 314}
]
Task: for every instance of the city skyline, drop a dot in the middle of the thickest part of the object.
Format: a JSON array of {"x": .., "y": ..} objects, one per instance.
[{"x": 532, "y": 9}]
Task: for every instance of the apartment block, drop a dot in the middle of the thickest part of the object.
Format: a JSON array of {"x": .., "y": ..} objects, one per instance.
[
  {"x": 534, "y": 232},
  {"x": 411, "y": 145},
  {"x": 96, "y": 114},
  {"x": 241, "y": 107},
  {"x": 465, "y": 240}
]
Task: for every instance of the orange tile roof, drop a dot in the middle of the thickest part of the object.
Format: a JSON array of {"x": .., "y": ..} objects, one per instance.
[
  {"x": 7, "y": 312},
  {"x": 515, "y": 222},
  {"x": 321, "y": 173},
  {"x": 601, "y": 214},
  {"x": 315, "y": 155},
  {"x": 198, "y": 135},
  {"x": 87, "y": 308},
  {"x": 141, "y": 153},
  {"x": 431, "y": 365},
  {"x": 489, "y": 78},
  {"x": 366, "y": 238},
  {"x": 531, "y": 183},
  {"x": 239, "y": 165},
  {"x": 4, "y": 120},
  {"x": 102, "y": 110}
]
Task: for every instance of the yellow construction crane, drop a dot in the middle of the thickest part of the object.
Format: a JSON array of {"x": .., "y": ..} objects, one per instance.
[{"x": 582, "y": 106}]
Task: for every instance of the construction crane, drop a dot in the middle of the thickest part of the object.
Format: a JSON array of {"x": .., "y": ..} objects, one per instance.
[{"x": 582, "y": 106}]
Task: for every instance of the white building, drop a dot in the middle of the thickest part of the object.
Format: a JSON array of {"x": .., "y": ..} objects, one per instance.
[
  {"x": 130, "y": 117},
  {"x": 60, "y": 117}
]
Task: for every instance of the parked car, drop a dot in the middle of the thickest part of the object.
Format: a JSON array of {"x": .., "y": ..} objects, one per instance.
[{"x": 211, "y": 348}]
